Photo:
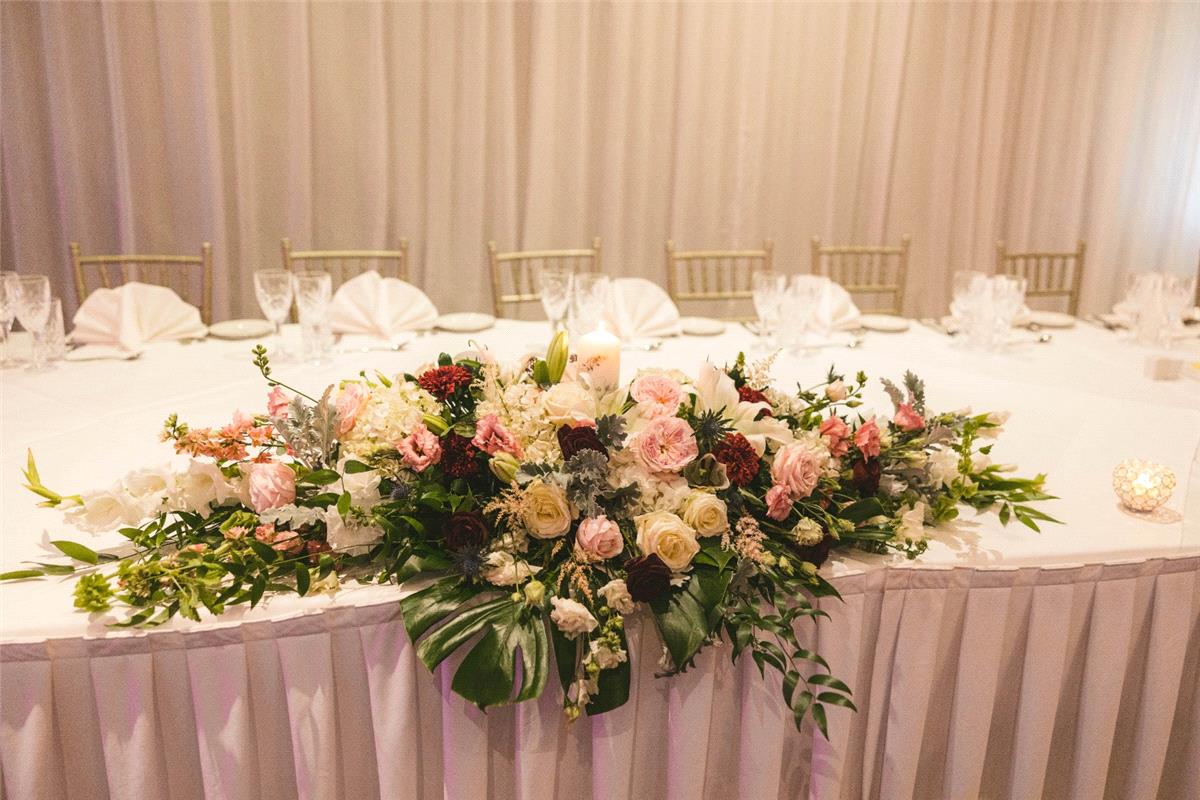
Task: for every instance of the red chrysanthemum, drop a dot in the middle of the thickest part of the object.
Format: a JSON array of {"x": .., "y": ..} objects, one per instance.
[
  {"x": 739, "y": 458},
  {"x": 750, "y": 395},
  {"x": 441, "y": 382},
  {"x": 459, "y": 457}
]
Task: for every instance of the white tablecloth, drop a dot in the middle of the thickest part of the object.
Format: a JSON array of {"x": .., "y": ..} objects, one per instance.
[{"x": 1003, "y": 663}]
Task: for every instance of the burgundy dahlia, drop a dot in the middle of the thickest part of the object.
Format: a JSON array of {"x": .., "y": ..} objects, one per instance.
[
  {"x": 739, "y": 458},
  {"x": 441, "y": 382},
  {"x": 866, "y": 476},
  {"x": 573, "y": 440},
  {"x": 647, "y": 577},
  {"x": 815, "y": 554},
  {"x": 459, "y": 456},
  {"x": 465, "y": 529}
]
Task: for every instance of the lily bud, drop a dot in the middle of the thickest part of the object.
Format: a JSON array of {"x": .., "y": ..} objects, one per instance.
[
  {"x": 556, "y": 357},
  {"x": 504, "y": 467},
  {"x": 535, "y": 592},
  {"x": 435, "y": 424}
]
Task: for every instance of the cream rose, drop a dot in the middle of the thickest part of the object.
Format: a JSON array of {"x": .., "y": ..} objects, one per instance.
[
  {"x": 572, "y": 617},
  {"x": 705, "y": 512},
  {"x": 503, "y": 569},
  {"x": 567, "y": 403},
  {"x": 668, "y": 537},
  {"x": 836, "y": 391},
  {"x": 547, "y": 513}
]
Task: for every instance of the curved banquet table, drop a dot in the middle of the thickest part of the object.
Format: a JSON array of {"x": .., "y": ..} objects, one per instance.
[{"x": 1002, "y": 663}]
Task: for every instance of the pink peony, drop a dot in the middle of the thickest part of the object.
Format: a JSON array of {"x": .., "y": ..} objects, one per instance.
[
  {"x": 491, "y": 437},
  {"x": 779, "y": 503},
  {"x": 271, "y": 485},
  {"x": 796, "y": 467},
  {"x": 667, "y": 444},
  {"x": 867, "y": 438},
  {"x": 420, "y": 449},
  {"x": 908, "y": 420},
  {"x": 657, "y": 395},
  {"x": 837, "y": 436},
  {"x": 350, "y": 402},
  {"x": 598, "y": 538},
  {"x": 277, "y": 403}
]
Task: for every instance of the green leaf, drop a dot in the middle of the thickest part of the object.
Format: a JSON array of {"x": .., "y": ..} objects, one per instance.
[
  {"x": 343, "y": 504},
  {"x": 55, "y": 569},
  {"x": 262, "y": 550},
  {"x": 801, "y": 706},
  {"x": 77, "y": 551},
  {"x": 837, "y": 700},
  {"x": 21, "y": 574},
  {"x": 320, "y": 477},
  {"x": 862, "y": 510},
  {"x": 818, "y": 715},
  {"x": 424, "y": 609},
  {"x": 613, "y": 684},
  {"x": 830, "y": 681},
  {"x": 809, "y": 655},
  {"x": 303, "y": 579},
  {"x": 437, "y": 646},
  {"x": 355, "y": 467}
]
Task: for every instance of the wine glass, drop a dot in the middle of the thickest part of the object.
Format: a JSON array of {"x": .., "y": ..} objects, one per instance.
[
  {"x": 554, "y": 287},
  {"x": 768, "y": 289},
  {"x": 314, "y": 289},
  {"x": 273, "y": 288},
  {"x": 9, "y": 287},
  {"x": 803, "y": 292},
  {"x": 589, "y": 301},
  {"x": 33, "y": 311}
]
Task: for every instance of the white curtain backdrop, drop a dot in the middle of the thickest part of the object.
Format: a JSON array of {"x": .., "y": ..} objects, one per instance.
[{"x": 148, "y": 126}]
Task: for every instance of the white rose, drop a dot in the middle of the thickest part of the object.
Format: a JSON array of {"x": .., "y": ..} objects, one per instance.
[
  {"x": 942, "y": 466},
  {"x": 605, "y": 657},
  {"x": 808, "y": 532},
  {"x": 105, "y": 511},
  {"x": 503, "y": 569},
  {"x": 912, "y": 523},
  {"x": 567, "y": 402},
  {"x": 616, "y": 595},
  {"x": 668, "y": 537},
  {"x": 836, "y": 391},
  {"x": 202, "y": 486},
  {"x": 705, "y": 512},
  {"x": 571, "y": 617},
  {"x": 547, "y": 513},
  {"x": 343, "y": 535}
]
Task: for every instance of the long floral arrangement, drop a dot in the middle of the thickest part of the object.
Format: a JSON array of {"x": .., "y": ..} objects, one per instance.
[{"x": 536, "y": 512}]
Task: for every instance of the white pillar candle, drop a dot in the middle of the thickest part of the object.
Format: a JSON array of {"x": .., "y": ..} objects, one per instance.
[{"x": 599, "y": 355}]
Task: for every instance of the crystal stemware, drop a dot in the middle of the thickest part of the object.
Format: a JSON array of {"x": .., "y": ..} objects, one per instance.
[
  {"x": 803, "y": 292},
  {"x": 273, "y": 288},
  {"x": 314, "y": 289},
  {"x": 589, "y": 301},
  {"x": 33, "y": 311},
  {"x": 9, "y": 287},
  {"x": 769, "y": 290},
  {"x": 554, "y": 288}
]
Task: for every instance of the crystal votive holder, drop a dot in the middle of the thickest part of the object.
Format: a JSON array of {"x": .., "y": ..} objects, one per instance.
[{"x": 1143, "y": 485}]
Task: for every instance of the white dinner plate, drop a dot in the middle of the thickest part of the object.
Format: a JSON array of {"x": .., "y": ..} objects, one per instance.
[
  {"x": 465, "y": 322},
  {"x": 885, "y": 323},
  {"x": 1051, "y": 319},
  {"x": 701, "y": 326},
  {"x": 241, "y": 329}
]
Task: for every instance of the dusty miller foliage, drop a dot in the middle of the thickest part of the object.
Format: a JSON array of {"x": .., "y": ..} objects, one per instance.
[{"x": 310, "y": 430}]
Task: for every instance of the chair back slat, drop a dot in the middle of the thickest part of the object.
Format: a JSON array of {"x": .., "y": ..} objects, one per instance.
[
  {"x": 868, "y": 273},
  {"x": 513, "y": 273},
  {"x": 188, "y": 276},
  {"x": 708, "y": 276},
  {"x": 1051, "y": 274},
  {"x": 342, "y": 265}
]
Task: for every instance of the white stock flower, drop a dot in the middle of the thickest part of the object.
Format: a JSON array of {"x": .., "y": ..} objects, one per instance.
[
  {"x": 942, "y": 466},
  {"x": 616, "y": 595},
  {"x": 605, "y": 657},
  {"x": 202, "y": 486},
  {"x": 912, "y": 523},
  {"x": 547, "y": 513},
  {"x": 572, "y": 617},
  {"x": 668, "y": 537},
  {"x": 503, "y": 569},
  {"x": 996, "y": 418},
  {"x": 705, "y": 512}
]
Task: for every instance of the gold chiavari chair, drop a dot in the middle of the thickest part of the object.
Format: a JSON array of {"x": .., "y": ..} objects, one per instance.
[
  {"x": 178, "y": 273},
  {"x": 346, "y": 264},
  {"x": 715, "y": 275},
  {"x": 1047, "y": 274},
  {"x": 514, "y": 276},
  {"x": 867, "y": 272}
]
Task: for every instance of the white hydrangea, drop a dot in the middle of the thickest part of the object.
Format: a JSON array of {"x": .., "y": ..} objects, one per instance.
[
  {"x": 519, "y": 408},
  {"x": 389, "y": 414},
  {"x": 665, "y": 492},
  {"x": 942, "y": 466}
]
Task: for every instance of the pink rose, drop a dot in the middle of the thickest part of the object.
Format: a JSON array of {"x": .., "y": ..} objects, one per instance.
[
  {"x": 657, "y": 395},
  {"x": 491, "y": 437},
  {"x": 667, "y": 444},
  {"x": 277, "y": 403},
  {"x": 598, "y": 538},
  {"x": 420, "y": 449},
  {"x": 350, "y": 402},
  {"x": 908, "y": 420},
  {"x": 271, "y": 485},
  {"x": 797, "y": 468},
  {"x": 867, "y": 438},
  {"x": 779, "y": 503},
  {"x": 837, "y": 435}
]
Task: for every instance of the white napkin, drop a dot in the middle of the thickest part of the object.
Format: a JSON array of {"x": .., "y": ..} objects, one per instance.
[
  {"x": 381, "y": 307},
  {"x": 134, "y": 314},
  {"x": 640, "y": 309},
  {"x": 834, "y": 310}
]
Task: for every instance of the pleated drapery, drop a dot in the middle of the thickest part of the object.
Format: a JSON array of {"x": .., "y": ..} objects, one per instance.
[
  {"x": 151, "y": 126},
  {"x": 1065, "y": 682}
]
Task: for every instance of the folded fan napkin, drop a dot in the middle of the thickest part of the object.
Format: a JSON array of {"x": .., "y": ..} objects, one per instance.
[
  {"x": 382, "y": 307},
  {"x": 834, "y": 309},
  {"x": 135, "y": 314},
  {"x": 639, "y": 309}
]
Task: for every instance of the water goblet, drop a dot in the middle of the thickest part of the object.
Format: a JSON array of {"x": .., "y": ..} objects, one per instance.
[
  {"x": 33, "y": 311},
  {"x": 554, "y": 288},
  {"x": 273, "y": 288},
  {"x": 589, "y": 302},
  {"x": 768, "y": 290},
  {"x": 803, "y": 292},
  {"x": 9, "y": 287},
  {"x": 314, "y": 290}
]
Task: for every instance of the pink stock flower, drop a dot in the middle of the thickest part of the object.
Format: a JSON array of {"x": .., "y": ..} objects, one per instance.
[
  {"x": 491, "y": 437},
  {"x": 271, "y": 485},
  {"x": 837, "y": 436},
  {"x": 866, "y": 438},
  {"x": 598, "y": 538},
  {"x": 796, "y": 467},
  {"x": 350, "y": 402},
  {"x": 657, "y": 395},
  {"x": 907, "y": 419},
  {"x": 667, "y": 444},
  {"x": 420, "y": 449},
  {"x": 277, "y": 403},
  {"x": 779, "y": 503}
]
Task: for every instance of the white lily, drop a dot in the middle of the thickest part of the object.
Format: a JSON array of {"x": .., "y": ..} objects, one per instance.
[{"x": 715, "y": 391}]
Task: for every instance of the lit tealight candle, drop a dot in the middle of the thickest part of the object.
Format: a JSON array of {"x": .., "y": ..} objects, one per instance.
[
  {"x": 1143, "y": 485},
  {"x": 599, "y": 355}
]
